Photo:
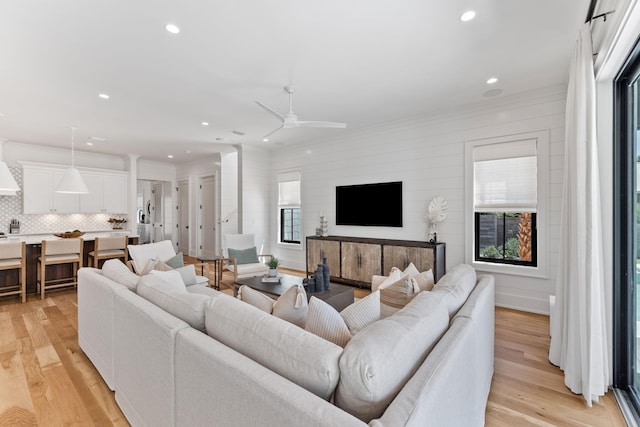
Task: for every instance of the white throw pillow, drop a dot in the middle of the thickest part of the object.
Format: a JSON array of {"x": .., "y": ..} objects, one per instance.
[
  {"x": 425, "y": 280},
  {"x": 115, "y": 270},
  {"x": 325, "y": 322},
  {"x": 292, "y": 306},
  {"x": 394, "y": 275},
  {"x": 148, "y": 267},
  {"x": 256, "y": 299},
  {"x": 171, "y": 278},
  {"x": 362, "y": 313},
  {"x": 395, "y": 296},
  {"x": 188, "y": 274}
]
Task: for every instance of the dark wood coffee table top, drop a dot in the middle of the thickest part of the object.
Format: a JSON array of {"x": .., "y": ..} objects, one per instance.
[{"x": 338, "y": 296}]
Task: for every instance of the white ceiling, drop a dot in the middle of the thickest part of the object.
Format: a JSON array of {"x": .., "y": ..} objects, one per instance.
[{"x": 361, "y": 61}]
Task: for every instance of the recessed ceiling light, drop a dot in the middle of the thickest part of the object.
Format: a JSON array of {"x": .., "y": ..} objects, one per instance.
[
  {"x": 170, "y": 156},
  {"x": 492, "y": 80},
  {"x": 172, "y": 28},
  {"x": 103, "y": 96},
  {"x": 187, "y": 151},
  {"x": 265, "y": 139},
  {"x": 97, "y": 138},
  {"x": 205, "y": 123},
  {"x": 89, "y": 143},
  {"x": 468, "y": 16}
]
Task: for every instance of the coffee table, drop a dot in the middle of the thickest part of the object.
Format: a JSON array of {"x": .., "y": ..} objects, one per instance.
[{"x": 338, "y": 296}]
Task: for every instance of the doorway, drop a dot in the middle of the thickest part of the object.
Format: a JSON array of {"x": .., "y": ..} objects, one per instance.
[
  {"x": 208, "y": 226},
  {"x": 183, "y": 217}
]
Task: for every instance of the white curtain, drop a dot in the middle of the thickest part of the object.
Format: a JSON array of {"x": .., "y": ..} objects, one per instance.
[{"x": 578, "y": 329}]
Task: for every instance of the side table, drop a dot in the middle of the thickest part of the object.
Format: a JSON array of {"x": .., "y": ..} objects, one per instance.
[{"x": 217, "y": 269}]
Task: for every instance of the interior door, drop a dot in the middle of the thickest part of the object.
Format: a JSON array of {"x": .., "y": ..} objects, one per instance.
[
  {"x": 157, "y": 210},
  {"x": 208, "y": 217},
  {"x": 183, "y": 217}
]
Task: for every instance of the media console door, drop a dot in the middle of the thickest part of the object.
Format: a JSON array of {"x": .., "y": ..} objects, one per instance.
[
  {"x": 360, "y": 261},
  {"x": 318, "y": 249}
]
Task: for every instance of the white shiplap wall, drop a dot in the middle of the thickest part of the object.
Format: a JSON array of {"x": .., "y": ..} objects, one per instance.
[{"x": 427, "y": 155}]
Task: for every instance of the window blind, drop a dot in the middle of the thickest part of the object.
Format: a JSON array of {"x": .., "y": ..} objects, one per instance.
[
  {"x": 505, "y": 177},
  {"x": 289, "y": 189}
]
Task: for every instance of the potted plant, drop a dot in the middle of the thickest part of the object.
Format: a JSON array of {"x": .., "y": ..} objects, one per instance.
[{"x": 273, "y": 264}]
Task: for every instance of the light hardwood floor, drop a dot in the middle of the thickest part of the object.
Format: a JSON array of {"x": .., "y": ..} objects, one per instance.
[{"x": 46, "y": 380}]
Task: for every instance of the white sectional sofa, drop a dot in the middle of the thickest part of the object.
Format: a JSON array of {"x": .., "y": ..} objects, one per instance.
[{"x": 217, "y": 361}]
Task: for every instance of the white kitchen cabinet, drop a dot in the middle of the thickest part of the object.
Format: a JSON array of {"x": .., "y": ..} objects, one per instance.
[
  {"x": 39, "y": 192},
  {"x": 107, "y": 193}
]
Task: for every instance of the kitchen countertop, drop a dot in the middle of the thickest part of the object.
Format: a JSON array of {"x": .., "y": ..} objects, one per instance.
[{"x": 31, "y": 239}]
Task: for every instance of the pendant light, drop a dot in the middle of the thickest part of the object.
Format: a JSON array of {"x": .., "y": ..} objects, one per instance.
[
  {"x": 72, "y": 182},
  {"x": 8, "y": 185}
]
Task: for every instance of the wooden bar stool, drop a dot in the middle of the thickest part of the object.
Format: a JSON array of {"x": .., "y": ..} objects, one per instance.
[
  {"x": 107, "y": 248},
  {"x": 55, "y": 252},
  {"x": 13, "y": 256}
]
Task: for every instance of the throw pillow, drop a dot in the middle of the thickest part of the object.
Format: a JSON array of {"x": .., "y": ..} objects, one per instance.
[
  {"x": 188, "y": 274},
  {"x": 244, "y": 256},
  {"x": 162, "y": 266},
  {"x": 292, "y": 306},
  {"x": 256, "y": 298},
  {"x": 325, "y": 322},
  {"x": 395, "y": 296},
  {"x": 171, "y": 278},
  {"x": 425, "y": 280},
  {"x": 150, "y": 265},
  {"x": 362, "y": 312},
  {"x": 115, "y": 270},
  {"x": 176, "y": 261},
  {"x": 394, "y": 275}
]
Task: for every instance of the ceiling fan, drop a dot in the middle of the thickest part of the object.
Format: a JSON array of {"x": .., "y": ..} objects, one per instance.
[{"x": 291, "y": 120}]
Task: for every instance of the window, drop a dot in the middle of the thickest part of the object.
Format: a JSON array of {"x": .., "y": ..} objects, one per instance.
[
  {"x": 506, "y": 188},
  {"x": 289, "y": 214}
]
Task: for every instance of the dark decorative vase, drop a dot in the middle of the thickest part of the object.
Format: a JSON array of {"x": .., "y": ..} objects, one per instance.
[
  {"x": 326, "y": 275},
  {"x": 319, "y": 276},
  {"x": 311, "y": 284}
]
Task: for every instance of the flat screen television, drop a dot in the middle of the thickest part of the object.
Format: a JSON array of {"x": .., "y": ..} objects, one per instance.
[{"x": 376, "y": 205}]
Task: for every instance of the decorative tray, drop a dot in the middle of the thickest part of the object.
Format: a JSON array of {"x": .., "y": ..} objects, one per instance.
[{"x": 69, "y": 234}]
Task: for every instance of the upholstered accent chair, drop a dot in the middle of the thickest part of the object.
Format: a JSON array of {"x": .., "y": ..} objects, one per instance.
[{"x": 241, "y": 256}]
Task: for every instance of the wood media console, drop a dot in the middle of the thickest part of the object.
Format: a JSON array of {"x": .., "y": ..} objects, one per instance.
[{"x": 353, "y": 260}]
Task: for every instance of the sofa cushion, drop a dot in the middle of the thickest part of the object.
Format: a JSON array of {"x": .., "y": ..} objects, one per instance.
[
  {"x": 244, "y": 256},
  {"x": 117, "y": 271},
  {"x": 184, "y": 305},
  {"x": 379, "y": 360},
  {"x": 188, "y": 274},
  {"x": 362, "y": 313},
  {"x": 298, "y": 355},
  {"x": 256, "y": 298},
  {"x": 292, "y": 306},
  {"x": 455, "y": 287},
  {"x": 325, "y": 322}
]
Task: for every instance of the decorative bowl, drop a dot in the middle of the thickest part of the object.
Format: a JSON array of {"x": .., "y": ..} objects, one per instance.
[{"x": 69, "y": 234}]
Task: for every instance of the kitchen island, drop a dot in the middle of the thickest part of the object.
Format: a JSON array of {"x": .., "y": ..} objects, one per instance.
[{"x": 34, "y": 245}]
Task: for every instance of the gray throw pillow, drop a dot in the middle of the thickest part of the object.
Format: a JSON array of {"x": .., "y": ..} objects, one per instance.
[
  {"x": 176, "y": 261},
  {"x": 244, "y": 256}
]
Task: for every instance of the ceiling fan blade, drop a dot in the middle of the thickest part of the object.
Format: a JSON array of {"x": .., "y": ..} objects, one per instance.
[
  {"x": 272, "y": 132},
  {"x": 317, "y": 124},
  {"x": 270, "y": 110}
]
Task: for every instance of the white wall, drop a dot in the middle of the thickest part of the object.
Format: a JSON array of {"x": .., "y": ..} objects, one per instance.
[
  {"x": 257, "y": 214},
  {"x": 427, "y": 155}
]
